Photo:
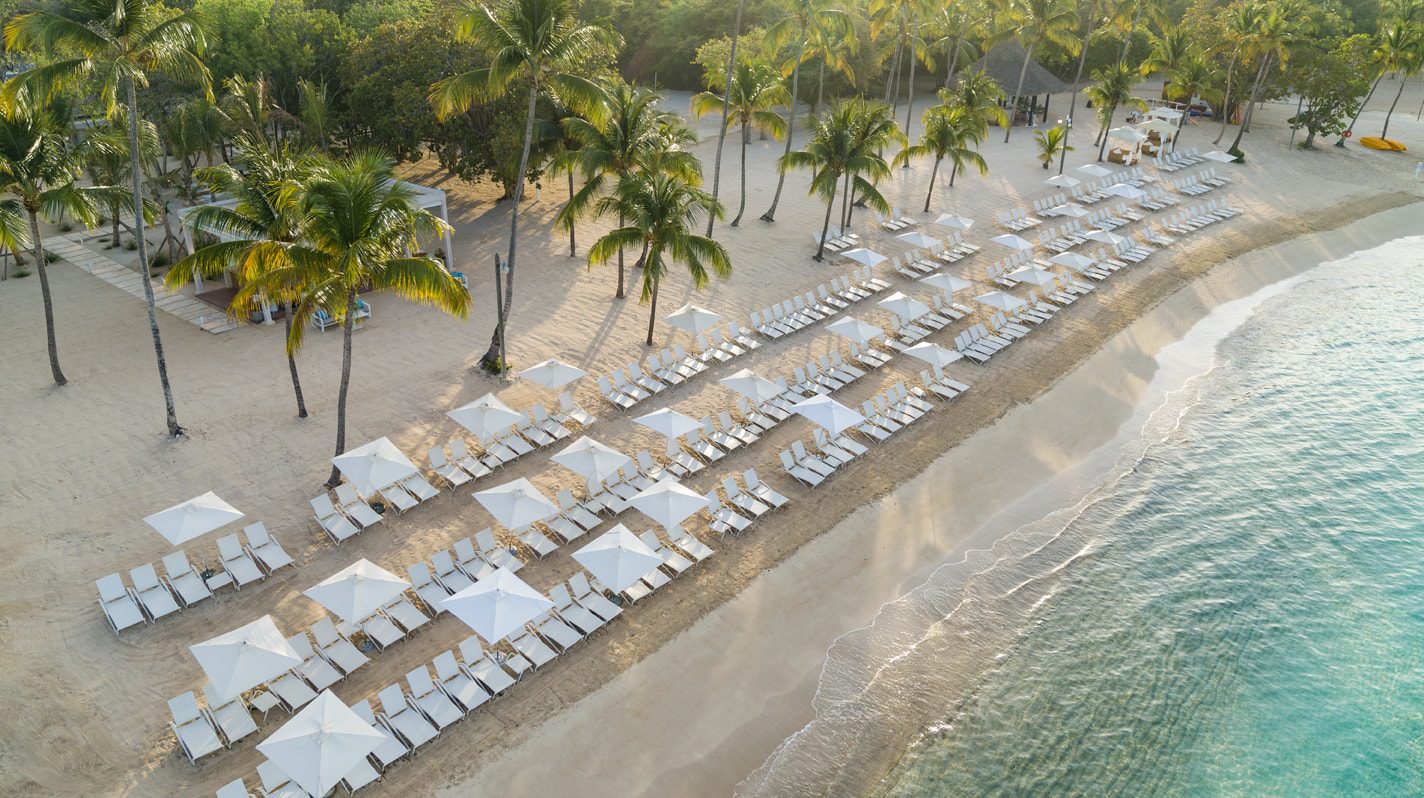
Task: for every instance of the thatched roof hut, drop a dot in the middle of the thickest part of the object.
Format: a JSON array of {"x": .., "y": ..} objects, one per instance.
[{"x": 1003, "y": 64}]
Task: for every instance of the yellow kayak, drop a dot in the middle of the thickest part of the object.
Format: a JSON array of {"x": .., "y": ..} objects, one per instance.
[{"x": 1377, "y": 143}]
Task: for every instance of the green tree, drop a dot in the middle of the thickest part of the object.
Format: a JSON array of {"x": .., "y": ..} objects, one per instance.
[
  {"x": 1112, "y": 90},
  {"x": 1051, "y": 143},
  {"x": 834, "y": 152},
  {"x": 950, "y": 133},
  {"x": 1195, "y": 77},
  {"x": 1330, "y": 84},
  {"x": 534, "y": 42},
  {"x": 756, "y": 89},
  {"x": 1273, "y": 31},
  {"x": 1401, "y": 51},
  {"x": 1169, "y": 51},
  {"x": 661, "y": 210},
  {"x": 1034, "y": 23},
  {"x": 117, "y": 52},
  {"x": 979, "y": 96},
  {"x": 726, "y": 110}
]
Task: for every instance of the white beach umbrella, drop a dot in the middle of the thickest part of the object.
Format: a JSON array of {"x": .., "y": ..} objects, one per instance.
[
  {"x": 933, "y": 354},
  {"x": 552, "y": 374},
  {"x": 693, "y": 319},
  {"x": 1016, "y": 243},
  {"x": 833, "y": 416},
  {"x": 918, "y": 240},
  {"x": 1072, "y": 209},
  {"x": 673, "y": 424},
  {"x": 516, "y": 504},
  {"x": 378, "y": 464},
  {"x": 1159, "y": 125},
  {"x": 1000, "y": 300},
  {"x": 869, "y": 257},
  {"x": 193, "y": 518},
  {"x": 856, "y": 330},
  {"x": 1105, "y": 236},
  {"x": 1072, "y": 260},
  {"x": 1095, "y": 170},
  {"x": 1125, "y": 190},
  {"x": 321, "y": 745},
  {"x": 591, "y": 460},
  {"x": 355, "y": 592},
  {"x": 954, "y": 222},
  {"x": 945, "y": 282},
  {"x": 245, "y": 657},
  {"x": 1062, "y": 181},
  {"x": 903, "y": 306},
  {"x": 748, "y": 384},
  {"x": 497, "y": 605},
  {"x": 1034, "y": 276},
  {"x": 486, "y": 416},
  {"x": 668, "y": 502},
  {"x": 1219, "y": 156},
  {"x": 618, "y": 558}
]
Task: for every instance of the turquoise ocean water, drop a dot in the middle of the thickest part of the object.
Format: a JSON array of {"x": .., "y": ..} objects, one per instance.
[{"x": 1238, "y": 611}]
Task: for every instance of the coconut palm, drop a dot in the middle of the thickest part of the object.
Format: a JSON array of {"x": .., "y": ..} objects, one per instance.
[
  {"x": 1125, "y": 17},
  {"x": 257, "y": 215},
  {"x": 802, "y": 17},
  {"x": 1051, "y": 143},
  {"x": 952, "y": 133},
  {"x": 875, "y": 131},
  {"x": 1111, "y": 90},
  {"x": 726, "y": 109},
  {"x": 108, "y": 164},
  {"x": 1240, "y": 21},
  {"x": 835, "y": 152},
  {"x": 1169, "y": 52},
  {"x": 1401, "y": 51},
  {"x": 356, "y": 221},
  {"x": 1090, "y": 17},
  {"x": 1035, "y": 22},
  {"x": 40, "y": 168},
  {"x": 1276, "y": 27},
  {"x": 830, "y": 50},
  {"x": 538, "y": 42},
  {"x": 979, "y": 95},
  {"x": 661, "y": 210},
  {"x": 955, "y": 26},
  {"x": 113, "y": 52},
  {"x": 756, "y": 90},
  {"x": 1195, "y": 77}
]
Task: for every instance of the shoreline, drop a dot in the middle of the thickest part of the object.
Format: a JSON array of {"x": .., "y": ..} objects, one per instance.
[{"x": 733, "y": 727}]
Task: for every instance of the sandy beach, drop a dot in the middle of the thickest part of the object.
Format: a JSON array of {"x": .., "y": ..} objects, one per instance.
[{"x": 695, "y": 686}]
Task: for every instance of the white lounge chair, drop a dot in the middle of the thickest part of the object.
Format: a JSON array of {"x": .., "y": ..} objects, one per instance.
[
  {"x": 314, "y": 669},
  {"x": 360, "y": 775},
  {"x": 494, "y": 553},
  {"x": 337, "y": 525},
  {"x": 594, "y": 601},
  {"x": 405, "y": 720},
  {"x": 195, "y": 731},
  {"x": 292, "y": 691},
  {"x": 533, "y": 648},
  {"x": 382, "y": 631},
  {"x": 674, "y": 561},
  {"x": 470, "y": 561},
  {"x": 392, "y": 748},
  {"x": 152, "y": 594},
  {"x": 356, "y": 507},
  {"x": 184, "y": 579},
  {"x": 406, "y": 614},
  {"x": 337, "y": 649},
  {"x": 265, "y": 548},
  {"x": 553, "y": 628},
  {"x": 451, "y": 473},
  {"x": 232, "y": 717},
  {"x": 460, "y": 456},
  {"x": 760, "y": 489},
  {"x": 459, "y": 686},
  {"x": 276, "y": 783},
  {"x": 431, "y": 592},
  {"x": 574, "y": 613},
  {"x": 480, "y": 665},
  {"x": 430, "y": 700},
  {"x": 236, "y": 788},
  {"x": 237, "y": 562}
]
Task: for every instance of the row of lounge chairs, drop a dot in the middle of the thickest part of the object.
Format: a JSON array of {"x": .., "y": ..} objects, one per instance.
[
  {"x": 1016, "y": 219},
  {"x": 885, "y": 414},
  {"x": 1173, "y": 161},
  {"x": 788, "y": 316},
  {"x": 896, "y": 221},
  {"x": 240, "y": 562},
  {"x": 917, "y": 264},
  {"x": 1156, "y": 199},
  {"x": 837, "y": 240},
  {"x": 1199, "y": 183},
  {"x": 672, "y": 367}
]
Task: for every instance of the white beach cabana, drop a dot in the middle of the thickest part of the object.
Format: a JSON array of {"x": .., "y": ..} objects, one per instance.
[
  {"x": 618, "y": 559},
  {"x": 933, "y": 354},
  {"x": 668, "y": 502},
  {"x": 517, "y": 504},
  {"x": 497, "y": 605},
  {"x": 868, "y": 257},
  {"x": 1016, "y": 243},
  {"x": 249, "y": 655},
  {"x": 748, "y": 384},
  {"x": 854, "y": 329},
  {"x": 357, "y": 591},
  {"x": 954, "y": 222},
  {"x": 193, "y": 518},
  {"x": 1000, "y": 300},
  {"x": 829, "y": 414},
  {"x": 592, "y": 460},
  {"x": 373, "y": 466},
  {"x": 1131, "y": 140},
  {"x": 693, "y": 319},
  {"x": 486, "y": 417},
  {"x": 321, "y": 745},
  {"x": 552, "y": 374}
]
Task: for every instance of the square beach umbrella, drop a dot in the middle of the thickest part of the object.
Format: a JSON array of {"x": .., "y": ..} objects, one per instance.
[
  {"x": 1125, "y": 190},
  {"x": 668, "y": 502},
  {"x": 355, "y": 592},
  {"x": 517, "y": 504},
  {"x": 487, "y": 416},
  {"x": 833, "y": 416},
  {"x": 1094, "y": 170},
  {"x": 1105, "y": 236},
  {"x": 1016, "y": 243},
  {"x": 869, "y": 257},
  {"x": 673, "y": 424},
  {"x": 693, "y": 319},
  {"x": 378, "y": 464},
  {"x": 1000, "y": 300},
  {"x": 1063, "y": 181},
  {"x": 618, "y": 558},
  {"x": 954, "y": 222},
  {"x": 1072, "y": 260},
  {"x": 945, "y": 282},
  {"x": 552, "y": 374},
  {"x": 247, "y": 656},
  {"x": 1071, "y": 209},
  {"x": 933, "y": 354},
  {"x": 856, "y": 330},
  {"x": 193, "y": 518},
  {"x": 1034, "y": 276},
  {"x": 748, "y": 384},
  {"x": 903, "y": 306},
  {"x": 497, "y": 605},
  {"x": 591, "y": 460},
  {"x": 1219, "y": 156},
  {"x": 321, "y": 745},
  {"x": 918, "y": 240}
]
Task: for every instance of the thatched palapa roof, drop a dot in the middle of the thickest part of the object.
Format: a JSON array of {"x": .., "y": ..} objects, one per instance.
[{"x": 1003, "y": 64}]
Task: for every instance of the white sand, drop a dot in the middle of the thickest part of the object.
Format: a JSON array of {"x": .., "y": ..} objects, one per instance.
[{"x": 86, "y": 713}]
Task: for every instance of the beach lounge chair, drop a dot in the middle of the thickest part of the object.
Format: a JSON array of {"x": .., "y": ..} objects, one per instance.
[
  {"x": 723, "y": 518},
  {"x": 453, "y": 475},
  {"x": 405, "y": 614},
  {"x": 392, "y": 748},
  {"x": 485, "y": 669},
  {"x": 572, "y": 612},
  {"x": 360, "y": 775},
  {"x": 337, "y": 649},
  {"x": 532, "y": 648},
  {"x": 569, "y": 410},
  {"x": 495, "y": 554},
  {"x": 317, "y": 671},
  {"x": 821, "y": 465},
  {"x": 798, "y": 472},
  {"x": 531, "y": 431},
  {"x": 396, "y": 497},
  {"x": 592, "y": 600},
  {"x": 614, "y": 395},
  {"x": 354, "y": 507},
  {"x": 237, "y": 562},
  {"x": 184, "y": 579},
  {"x": 195, "y": 731},
  {"x": 431, "y": 700},
  {"x": 574, "y": 511},
  {"x": 337, "y": 526},
  {"x": 236, "y": 788},
  {"x": 470, "y": 561},
  {"x": 460, "y": 456},
  {"x": 536, "y": 541},
  {"x": 407, "y": 721},
  {"x": 459, "y": 686},
  {"x": 684, "y": 541},
  {"x": 552, "y": 628},
  {"x": 232, "y": 717},
  {"x": 763, "y": 492},
  {"x": 382, "y": 631},
  {"x": 431, "y": 592},
  {"x": 545, "y": 422},
  {"x": 264, "y": 548},
  {"x": 292, "y": 691},
  {"x": 674, "y": 562},
  {"x": 276, "y": 783},
  {"x": 155, "y": 598}
]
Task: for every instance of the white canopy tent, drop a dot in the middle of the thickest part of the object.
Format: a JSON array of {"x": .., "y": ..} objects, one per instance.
[
  {"x": 497, "y": 605},
  {"x": 618, "y": 558},
  {"x": 375, "y": 465},
  {"x": 357, "y": 591},
  {"x": 247, "y": 656},
  {"x": 517, "y": 504},
  {"x": 321, "y": 745},
  {"x": 193, "y": 518}
]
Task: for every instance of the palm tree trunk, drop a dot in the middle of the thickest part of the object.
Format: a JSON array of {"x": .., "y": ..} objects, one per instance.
[
  {"x": 825, "y": 227},
  {"x": 497, "y": 351},
  {"x": 726, "y": 101},
  {"x": 1226, "y": 96},
  {"x": 845, "y": 197},
  {"x": 742, "y": 206},
  {"x": 1340, "y": 142},
  {"x": 573, "y": 244},
  {"x": 910, "y": 95},
  {"x": 1403, "y": 79},
  {"x": 821, "y": 86},
  {"x": 1251, "y": 101},
  {"x": 47, "y": 299},
  {"x": 1073, "y": 97},
  {"x": 770, "y": 215},
  {"x": 929, "y": 194},
  {"x": 292, "y": 367},
  {"x": 1014, "y": 101},
  {"x": 1107, "y": 120},
  {"x": 953, "y": 170},
  {"x": 653, "y": 313},
  {"x": 346, "y": 327},
  {"x": 894, "y": 65},
  {"x": 953, "y": 60},
  {"x": 1127, "y": 37},
  {"x": 137, "y": 176},
  {"x": 619, "y": 294}
]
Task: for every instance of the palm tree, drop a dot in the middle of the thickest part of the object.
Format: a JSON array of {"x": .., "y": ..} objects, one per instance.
[
  {"x": 1240, "y": 20},
  {"x": 1170, "y": 51},
  {"x": 38, "y": 166},
  {"x": 874, "y": 131},
  {"x": 1034, "y": 22},
  {"x": 661, "y": 210},
  {"x": 258, "y": 215},
  {"x": 802, "y": 16},
  {"x": 1051, "y": 143},
  {"x": 622, "y": 138},
  {"x": 1274, "y": 30},
  {"x": 830, "y": 51},
  {"x": 979, "y": 96},
  {"x": 119, "y": 50},
  {"x": 107, "y": 163},
  {"x": 950, "y": 132},
  {"x": 756, "y": 90},
  {"x": 1090, "y": 17},
  {"x": 1196, "y": 77},
  {"x": 1401, "y": 51},
  {"x": 726, "y": 101},
  {"x": 836, "y": 151},
  {"x": 356, "y": 221},
  {"x": 1112, "y": 90},
  {"x": 533, "y": 41},
  {"x": 955, "y": 24}
]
